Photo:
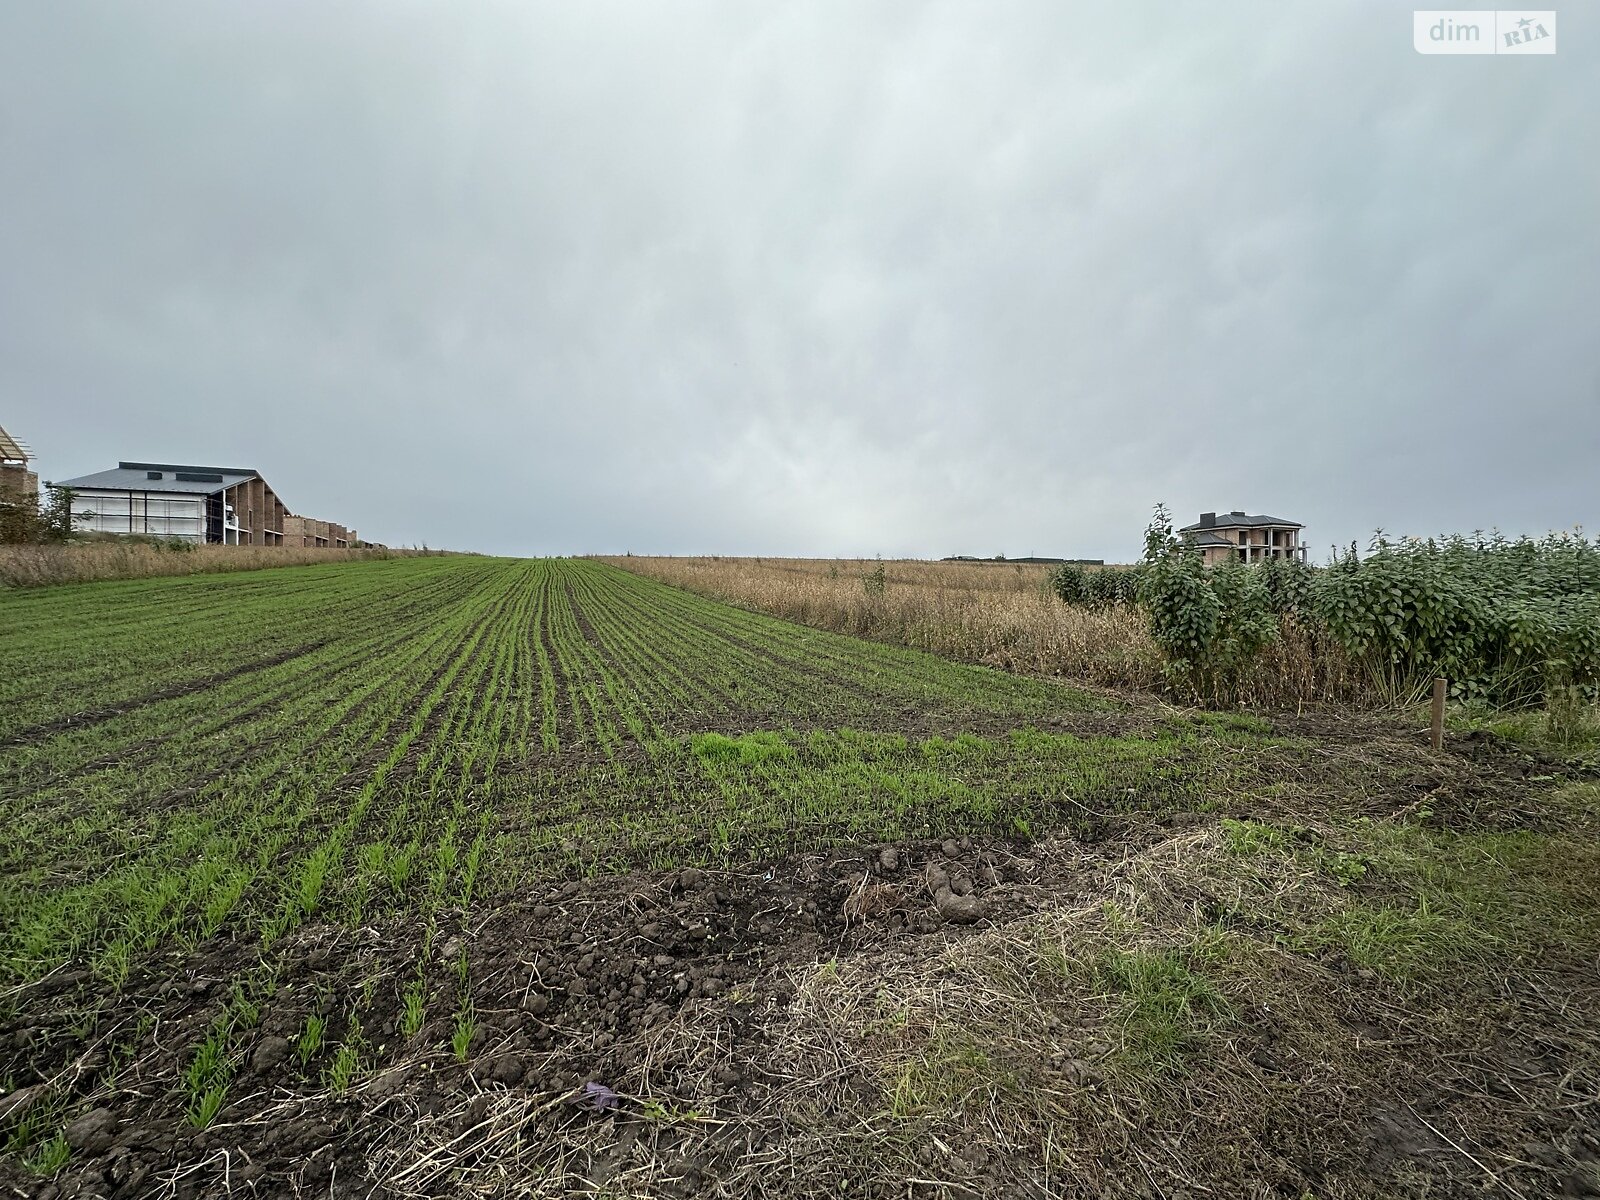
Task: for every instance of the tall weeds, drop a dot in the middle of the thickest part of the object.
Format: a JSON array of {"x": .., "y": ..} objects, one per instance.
[
  {"x": 996, "y": 614},
  {"x": 42, "y": 565}
]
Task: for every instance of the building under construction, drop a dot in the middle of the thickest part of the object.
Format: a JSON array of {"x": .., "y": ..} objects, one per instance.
[
  {"x": 18, "y": 483},
  {"x": 232, "y": 506}
]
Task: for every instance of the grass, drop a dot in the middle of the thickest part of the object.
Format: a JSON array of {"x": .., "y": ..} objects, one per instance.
[
  {"x": 96, "y": 561},
  {"x": 1186, "y": 998},
  {"x": 1245, "y": 838},
  {"x": 1163, "y": 1008},
  {"x": 1434, "y": 902},
  {"x": 1567, "y": 726},
  {"x": 950, "y": 1070}
]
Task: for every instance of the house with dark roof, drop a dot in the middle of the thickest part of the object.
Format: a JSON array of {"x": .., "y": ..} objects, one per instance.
[
  {"x": 1243, "y": 537},
  {"x": 222, "y": 505}
]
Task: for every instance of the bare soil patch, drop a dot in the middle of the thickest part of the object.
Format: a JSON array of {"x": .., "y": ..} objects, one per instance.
[{"x": 659, "y": 1034}]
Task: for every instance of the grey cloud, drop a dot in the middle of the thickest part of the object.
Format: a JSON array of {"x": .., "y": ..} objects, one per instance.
[{"x": 809, "y": 278}]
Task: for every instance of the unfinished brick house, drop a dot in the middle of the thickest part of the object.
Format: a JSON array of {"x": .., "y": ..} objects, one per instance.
[
  {"x": 18, "y": 483},
  {"x": 1241, "y": 537}
]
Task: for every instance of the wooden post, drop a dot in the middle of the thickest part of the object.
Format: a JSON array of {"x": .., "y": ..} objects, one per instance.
[{"x": 1439, "y": 689}]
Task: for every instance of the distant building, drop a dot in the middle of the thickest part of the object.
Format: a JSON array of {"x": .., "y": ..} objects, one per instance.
[
  {"x": 306, "y": 531},
  {"x": 1031, "y": 558},
  {"x": 18, "y": 483},
  {"x": 1221, "y": 537},
  {"x": 220, "y": 505}
]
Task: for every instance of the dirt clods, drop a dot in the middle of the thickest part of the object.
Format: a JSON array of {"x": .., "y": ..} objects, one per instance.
[{"x": 953, "y": 894}]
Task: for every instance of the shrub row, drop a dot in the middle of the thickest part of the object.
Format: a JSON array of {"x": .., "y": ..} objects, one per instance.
[
  {"x": 1095, "y": 587},
  {"x": 1508, "y": 622}
]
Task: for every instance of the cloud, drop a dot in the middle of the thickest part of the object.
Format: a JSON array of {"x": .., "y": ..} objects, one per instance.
[{"x": 824, "y": 278}]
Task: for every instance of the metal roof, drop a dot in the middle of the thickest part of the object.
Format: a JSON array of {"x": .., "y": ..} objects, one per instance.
[
  {"x": 1208, "y": 538},
  {"x": 1239, "y": 520},
  {"x": 144, "y": 466},
  {"x": 135, "y": 477}
]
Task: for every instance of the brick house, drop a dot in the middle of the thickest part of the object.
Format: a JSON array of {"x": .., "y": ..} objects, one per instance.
[
  {"x": 1241, "y": 537},
  {"x": 18, "y": 483}
]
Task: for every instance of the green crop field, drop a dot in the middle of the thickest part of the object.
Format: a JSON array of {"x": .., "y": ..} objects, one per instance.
[
  {"x": 188, "y": 759},
  {"x": 459, "y": 835}
]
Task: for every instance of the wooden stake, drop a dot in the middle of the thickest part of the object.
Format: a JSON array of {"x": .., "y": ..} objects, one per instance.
[{"x": 1439, "y": 689}]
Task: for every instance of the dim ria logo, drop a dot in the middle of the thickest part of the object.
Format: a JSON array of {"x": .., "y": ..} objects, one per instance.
[{"x": 1483, "y": 31}]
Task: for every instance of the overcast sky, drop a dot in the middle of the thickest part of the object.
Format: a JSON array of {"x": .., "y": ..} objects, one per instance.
[{"x": 805, "y": 278}]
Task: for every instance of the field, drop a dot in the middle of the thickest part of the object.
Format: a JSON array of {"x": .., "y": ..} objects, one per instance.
[{"x": 477, "y": 877}]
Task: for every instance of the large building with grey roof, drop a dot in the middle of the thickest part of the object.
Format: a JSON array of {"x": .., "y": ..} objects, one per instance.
[
  {"x": 1243, "y": 537},
  {"x": 216, "y": 505}
]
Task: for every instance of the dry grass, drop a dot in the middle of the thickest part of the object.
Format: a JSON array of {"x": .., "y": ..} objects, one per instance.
[
  {"x": 1145, "y": 1023},
  {"x": 41, "y": 566},
  {"x": 997, "y": 614},
  {"x": 1000, "y": 615}
]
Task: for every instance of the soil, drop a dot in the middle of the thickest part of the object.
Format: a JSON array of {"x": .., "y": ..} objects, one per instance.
[{"x": 594, "y": 999}]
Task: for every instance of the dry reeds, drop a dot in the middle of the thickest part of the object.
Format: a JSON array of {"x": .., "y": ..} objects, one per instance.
[
  {"x": 41, "y": 566},
  {"x": 997, "y": 614}
]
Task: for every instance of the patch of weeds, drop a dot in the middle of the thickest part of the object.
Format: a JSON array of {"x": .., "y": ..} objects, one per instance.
[
  {"x": 1342, "y": 867},
  {"x": 466, "y": 1028},
  {"x": 48, "y": 1156},
  {"x": 1567, "y": 724},
  {"x": 718, "y": 749},
  {"x": 1249, "y": 838},
  {"x": 413, "y": 1009},
  {"x": 1578, "y": 804},
  {"x": 1400, "y": 944},
  {"x": 1119, "y": 921},
  {"x": 1166, "y": 1008},
  {"x": 1435, "y": 902},
  {"x": 950, "y": 1068},
  {"x": 665, "y": 1113},
  {"x": 311, "y": 1036},
  {"x": 1233, "y": 722}
]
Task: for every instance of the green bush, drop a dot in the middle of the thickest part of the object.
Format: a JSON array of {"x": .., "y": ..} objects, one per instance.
[
  {"x": 27, "y": 520},
  {"x": 1504, "y": 621},
  {"x": 1096, "y": 588},
  {"x": 1209, "y": 622},
  {"x": 1508, "y": 623},
  {"x": 1289, "y": 583},
  {"x": 1069, "y": 581}
]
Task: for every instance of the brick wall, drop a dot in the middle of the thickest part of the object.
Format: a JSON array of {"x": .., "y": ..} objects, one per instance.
[{"x": 17, "y": 483}]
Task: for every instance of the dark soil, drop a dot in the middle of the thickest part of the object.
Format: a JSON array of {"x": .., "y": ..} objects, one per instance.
[{"x": 620, "y": 981}]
